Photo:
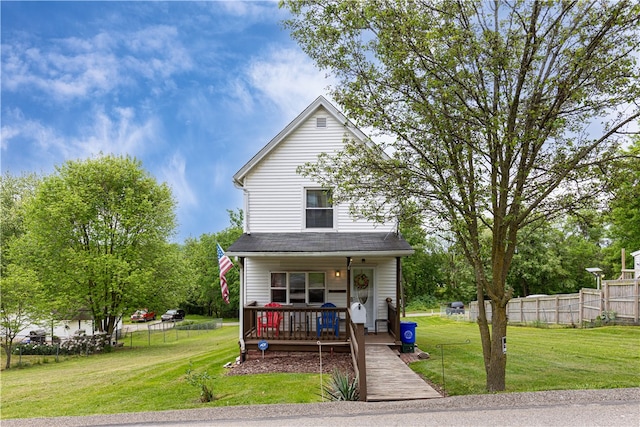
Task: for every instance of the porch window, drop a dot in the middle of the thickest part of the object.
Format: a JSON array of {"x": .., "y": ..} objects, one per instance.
[
  {"x": 316, "y": 288},
  {"x": 298, "y": 287},
  {"x": 278, "y": 287},
  {"x": 318, "y": 208}
]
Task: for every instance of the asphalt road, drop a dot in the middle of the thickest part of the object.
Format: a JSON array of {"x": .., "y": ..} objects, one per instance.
[{"x": 617, "y": 407}]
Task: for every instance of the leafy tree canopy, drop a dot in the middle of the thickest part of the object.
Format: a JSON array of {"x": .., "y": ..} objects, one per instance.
[
  {"x": 205, "y": 292},
  {"x": 624, "y": 208},
  {"x": 14, "y": 193},
  {"x": 500, "y": 115},
  {"x": 96, "y": 234},
  {"x": 21, "y": 302}
]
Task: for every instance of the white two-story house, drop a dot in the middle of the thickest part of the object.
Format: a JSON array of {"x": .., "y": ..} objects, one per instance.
[{"x": 300, "y": 251}]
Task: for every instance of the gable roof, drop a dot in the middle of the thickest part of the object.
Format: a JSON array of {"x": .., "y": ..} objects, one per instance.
[
  {"x": 320, "y": 244},
  {"x": 301, "y": 118}
]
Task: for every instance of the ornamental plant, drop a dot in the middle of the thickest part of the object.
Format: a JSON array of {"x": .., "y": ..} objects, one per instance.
[{"x": 342, "y": 387}]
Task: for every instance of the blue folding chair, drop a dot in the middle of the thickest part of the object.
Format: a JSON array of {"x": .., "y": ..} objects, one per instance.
[{"x": 328, "y": 320}]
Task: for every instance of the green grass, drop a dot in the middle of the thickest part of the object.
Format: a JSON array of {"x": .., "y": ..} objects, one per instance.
[
  {"x": 537, "y": 359},
  {"x": 153, "y": 377},
  {"x": 146, "y": 378}
]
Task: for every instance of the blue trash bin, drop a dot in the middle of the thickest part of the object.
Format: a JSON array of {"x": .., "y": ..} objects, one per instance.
[{"x": 408, "y": 334}]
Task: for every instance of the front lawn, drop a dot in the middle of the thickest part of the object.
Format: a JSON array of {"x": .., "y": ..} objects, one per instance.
[
  {"x": 537, "y": 358},
  {"x": 151, "y": 376}
]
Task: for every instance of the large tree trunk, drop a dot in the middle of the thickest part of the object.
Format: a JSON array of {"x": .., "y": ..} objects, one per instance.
[
  {"x": 496, "y": 369},
  {"x": 108, "y": 325},
  {"x": 495, "y": 360},
  {"x": 8, "y": 347},
  {"x": 483, "y": 325}
]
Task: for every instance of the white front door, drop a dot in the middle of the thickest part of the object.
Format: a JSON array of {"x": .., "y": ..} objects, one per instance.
[{"x": 363, "y": 291}]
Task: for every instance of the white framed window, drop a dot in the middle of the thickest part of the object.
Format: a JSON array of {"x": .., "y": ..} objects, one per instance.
[
  {"x": 318, "y": 208},
  {"x": 298, "y": 287}
]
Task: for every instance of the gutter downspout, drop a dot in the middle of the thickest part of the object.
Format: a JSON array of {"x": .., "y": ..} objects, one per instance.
[
  {"x": 243, "y": 348},
  {"x": 399, "y": 297}
]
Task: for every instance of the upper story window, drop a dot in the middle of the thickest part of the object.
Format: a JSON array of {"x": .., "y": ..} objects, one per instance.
[{"x": 318, "y": 208}]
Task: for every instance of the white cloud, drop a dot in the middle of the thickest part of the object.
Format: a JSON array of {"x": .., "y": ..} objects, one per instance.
[
  {"x": 221, "y": 174},
  {"x": 71, "y": 68},
  {"x": 288, "y": 78},
  {"x": 251, "y": 11},
  {"x": 174, "y": 174},
  {"x": 59, "y": 75},
  {"x": 242, "y": 99},
  {"x": 156, "y": 53},
  {"x": 23, "y": 131},
  {"x": 119, "y": 132}
]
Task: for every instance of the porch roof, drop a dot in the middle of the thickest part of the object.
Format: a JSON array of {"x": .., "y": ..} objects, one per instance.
[{"x": 320, "y": 244}]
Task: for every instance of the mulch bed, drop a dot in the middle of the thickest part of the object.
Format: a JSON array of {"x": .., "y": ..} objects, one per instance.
[{"x": 292, "y": 362}]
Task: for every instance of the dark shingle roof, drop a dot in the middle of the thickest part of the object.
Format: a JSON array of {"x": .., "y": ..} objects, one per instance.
[{"x": 326, "y": 244}]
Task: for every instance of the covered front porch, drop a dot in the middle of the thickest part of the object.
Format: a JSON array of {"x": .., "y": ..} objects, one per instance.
[
  {"x": 381, "y": 374},
  {"x": 301, "y": 327}
]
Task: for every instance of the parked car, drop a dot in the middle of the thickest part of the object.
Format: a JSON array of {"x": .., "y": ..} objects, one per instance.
[
  {"x": 173, "y": 315},
  {"x": 456, "y": 307},
  {"x": 143, "y": 315}
]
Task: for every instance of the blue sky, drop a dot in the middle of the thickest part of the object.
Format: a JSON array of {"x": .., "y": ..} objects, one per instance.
[{"x": 192, "y": 89}]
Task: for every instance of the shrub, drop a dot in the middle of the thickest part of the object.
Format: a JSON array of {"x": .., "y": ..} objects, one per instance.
[
  {"x": 87, "y": 344},
  {"x": 204, "y": 382},
  {"x": 78, "y": 344},
  {"x": 422, "y": 303},
  {"x": 35, "y": 349}
]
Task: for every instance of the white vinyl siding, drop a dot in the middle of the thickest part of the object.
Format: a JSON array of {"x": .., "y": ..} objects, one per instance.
[
  {"x": 385, "y": 285},
  {"x": 276, "y": 192}
]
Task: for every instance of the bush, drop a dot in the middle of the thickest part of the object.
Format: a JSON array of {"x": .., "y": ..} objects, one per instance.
[
  {"x": 87, "y": 344},
  {"x": 199, "y": 326},
  {"x": 35, "y": 349},
  {"x": 78, "y": 344},
  {"x": 422, "y": 303},
  {"x": 203, "y": 382}
]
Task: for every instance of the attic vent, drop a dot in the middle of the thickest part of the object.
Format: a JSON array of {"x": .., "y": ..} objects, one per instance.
[{"x": 321, "y": 122}]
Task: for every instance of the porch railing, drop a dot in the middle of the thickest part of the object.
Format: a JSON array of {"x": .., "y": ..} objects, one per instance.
[
  {"x": 392, "y": 319},
  {"x": 290, "y": 323},
  {"x": 358, "y": 356}
]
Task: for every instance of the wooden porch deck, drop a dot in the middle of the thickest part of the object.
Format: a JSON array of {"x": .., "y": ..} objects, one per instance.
[{"x": 389, "y": 378}]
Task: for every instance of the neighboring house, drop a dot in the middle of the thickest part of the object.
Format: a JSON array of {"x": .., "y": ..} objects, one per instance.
[
  {"x": 78, "y": 322},
  {"x": 299, "y": 250}
]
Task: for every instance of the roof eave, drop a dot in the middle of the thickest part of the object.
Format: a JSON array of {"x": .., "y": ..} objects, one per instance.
[{"x": 322, "y": 254}]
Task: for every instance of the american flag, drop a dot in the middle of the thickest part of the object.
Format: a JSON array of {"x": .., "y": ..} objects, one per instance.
[{"x": 225, "y": 265}]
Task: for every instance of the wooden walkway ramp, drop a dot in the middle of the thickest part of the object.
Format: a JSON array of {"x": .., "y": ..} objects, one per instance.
[{"x": 389, "y": 378}]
